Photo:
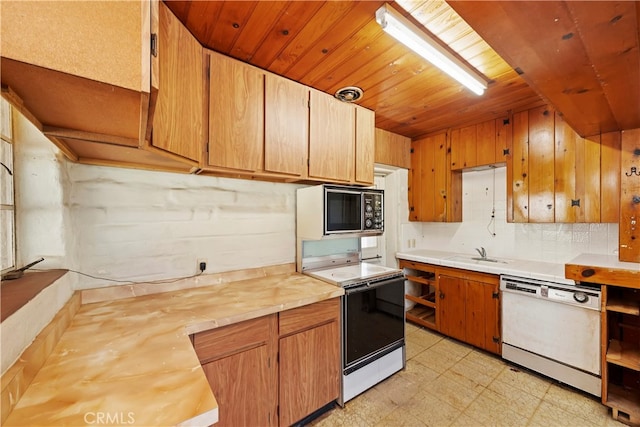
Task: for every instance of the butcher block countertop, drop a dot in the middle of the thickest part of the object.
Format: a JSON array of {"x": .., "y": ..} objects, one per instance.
[{"x": 131, "y": 362}]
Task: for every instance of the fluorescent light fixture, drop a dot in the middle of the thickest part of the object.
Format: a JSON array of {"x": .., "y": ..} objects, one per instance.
[{"x": 411, "y": 36}]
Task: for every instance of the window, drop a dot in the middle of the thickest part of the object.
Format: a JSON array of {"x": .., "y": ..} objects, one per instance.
[{"x": 7, "y": 204}]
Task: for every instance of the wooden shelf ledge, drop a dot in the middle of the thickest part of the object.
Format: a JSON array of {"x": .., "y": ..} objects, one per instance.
[
  {"x": 624, "y": 354},
  {"x": 16, "y": 293}
]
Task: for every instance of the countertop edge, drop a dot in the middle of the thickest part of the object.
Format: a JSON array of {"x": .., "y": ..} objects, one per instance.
[{"x": 289, "y": 291}]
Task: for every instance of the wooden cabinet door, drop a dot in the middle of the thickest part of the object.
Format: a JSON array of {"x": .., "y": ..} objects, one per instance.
[
  {"x": 242, "y": 387},
  {"x": 451, "y": 306},
  {"x": 240, "y": 362},
  {"x": 178, "y": 126},
  {"x": 518, "y": 170},
  {"x": 463, "y": 148},
  {"x": 392, "y": 149},
  {"x": 331, "y": 138},
  {"x": 541, "y": 165},
  {"x": 236, "y": 114},
  {"x": 577, "y": 175},
  {"x": 309, "y": 371},
  {"x": 504, "y": 138},
  {"x": 81, "y": 68},
  {"x": 486, "y": 143},
  {"x": 629, "y": 231},
  {"x": 286, "y": 142},
  {"x": 610, "y": 177},
  {"x": 430, "y": 189},
  {"x": 365, "y": 145},
  {"x": 481, "y": 315}
]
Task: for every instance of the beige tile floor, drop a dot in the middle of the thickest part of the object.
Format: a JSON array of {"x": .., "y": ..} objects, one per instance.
[{"x": 447, "y": 383}]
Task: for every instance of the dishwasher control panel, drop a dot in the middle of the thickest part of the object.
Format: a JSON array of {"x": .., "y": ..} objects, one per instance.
[{"x": 557, "y": 292}]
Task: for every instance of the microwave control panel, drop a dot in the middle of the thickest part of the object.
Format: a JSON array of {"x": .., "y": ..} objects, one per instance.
[{"x": 373, "y": 211}]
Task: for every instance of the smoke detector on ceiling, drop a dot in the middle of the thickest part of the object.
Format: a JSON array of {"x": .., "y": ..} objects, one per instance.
[{"x": 349, "y": 94}]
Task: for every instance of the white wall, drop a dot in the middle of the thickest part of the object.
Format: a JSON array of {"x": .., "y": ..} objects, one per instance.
[
  {"x": 43, "y": 221},
  {"x": 541, "y": 242},
  {"x": 136, "y": 225},
  {"x": 396, "y": 210},
  {"x": 142, "y": 225}
]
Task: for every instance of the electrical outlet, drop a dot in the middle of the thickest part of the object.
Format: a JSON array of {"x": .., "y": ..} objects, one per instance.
[{"x": 201, "y": 264}]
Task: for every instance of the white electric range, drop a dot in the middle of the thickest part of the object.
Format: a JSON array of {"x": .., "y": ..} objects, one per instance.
[
  {"x": 373, "y": 319},
  {"x": 349, "y": 275}
]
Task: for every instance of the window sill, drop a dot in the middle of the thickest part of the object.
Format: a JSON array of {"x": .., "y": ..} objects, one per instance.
[{"x": 17, "y": 293}]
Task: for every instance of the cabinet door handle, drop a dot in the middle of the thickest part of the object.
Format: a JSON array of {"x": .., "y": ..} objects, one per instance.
[{"x": 441, "y": 295}]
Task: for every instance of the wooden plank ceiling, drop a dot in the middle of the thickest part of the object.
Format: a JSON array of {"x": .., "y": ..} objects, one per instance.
[
  {"x": 332, "y": 44},
  {"x": 583, "y": 56}
]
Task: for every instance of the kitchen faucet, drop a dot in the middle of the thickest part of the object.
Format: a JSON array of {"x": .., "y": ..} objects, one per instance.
[{"x": 482, "y": 252}]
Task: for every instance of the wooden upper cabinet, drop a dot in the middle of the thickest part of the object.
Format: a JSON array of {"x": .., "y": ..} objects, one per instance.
[
  {"x": 435, "y": 192},
  {"x": 178, "y": 126},
  {"x": 463, "y": 148},
  {"x": 236, "y": 114},
  {"x": 392, "y": 149},
  {"x": 365, "y": 145},
  {"x": 331, "y": 138},
  {"x": 577, "y": 175},
  {"x": 286, "y": 126},
  {"x": 554, "y": 175},
  {"x": 518, "y": 170},
  {"x": 479, "y": 145},
  {"x": 541, "y": 165},
  {"x": 504, "y": 137},
  {"x": 81, "y": 69},
  {"x": 610, "y": 149},
  {"x": 486, "y": 143},
  {"x": 630, "y": 197}
]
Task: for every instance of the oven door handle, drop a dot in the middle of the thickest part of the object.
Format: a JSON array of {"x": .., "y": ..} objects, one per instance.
[{"x": 370, "y": 286}]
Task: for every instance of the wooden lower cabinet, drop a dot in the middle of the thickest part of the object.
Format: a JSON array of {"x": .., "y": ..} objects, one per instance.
[
  {"x": 621, "y": 352},
  {"x": 462, "y": 304},
  {"x": 240, "y": 364},
  {"x": 242, "y": 386},
  {"x": 309, "y": 354},
  {"x": 276, "y": 369},
  {"x": 469, "y": 310},
  {"x": 451, "y": 307}
]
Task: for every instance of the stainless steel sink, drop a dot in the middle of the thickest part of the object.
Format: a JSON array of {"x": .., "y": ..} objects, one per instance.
[
  {"x": 469, "y": 258},
  {"x": 484, "y": 259}
]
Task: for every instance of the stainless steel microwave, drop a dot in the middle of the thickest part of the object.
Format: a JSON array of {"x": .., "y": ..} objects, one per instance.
[{"x": 333, "y": 210}]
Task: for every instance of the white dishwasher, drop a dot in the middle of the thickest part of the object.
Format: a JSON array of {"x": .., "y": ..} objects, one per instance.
[{"x": 554, "y": 329}]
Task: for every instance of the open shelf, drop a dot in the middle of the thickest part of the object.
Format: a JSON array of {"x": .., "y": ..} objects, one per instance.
[
  {"x": 624, "y": 306},
  {"x": 624, "y": 400},
  {"x": 426, "y": 280},
  {"x": 624, "y": 354},
  {"x": 427, "y": 300},
  {"x": 422, "y": 315}
]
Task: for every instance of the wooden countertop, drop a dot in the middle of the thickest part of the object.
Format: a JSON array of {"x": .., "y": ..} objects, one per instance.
[
  {"x": 131, "y": 361},
  {"x": 604, "y": 269}
]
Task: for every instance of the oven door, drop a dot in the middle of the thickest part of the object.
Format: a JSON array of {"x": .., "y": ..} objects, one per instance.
[{"x": 373, "y": 321}]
